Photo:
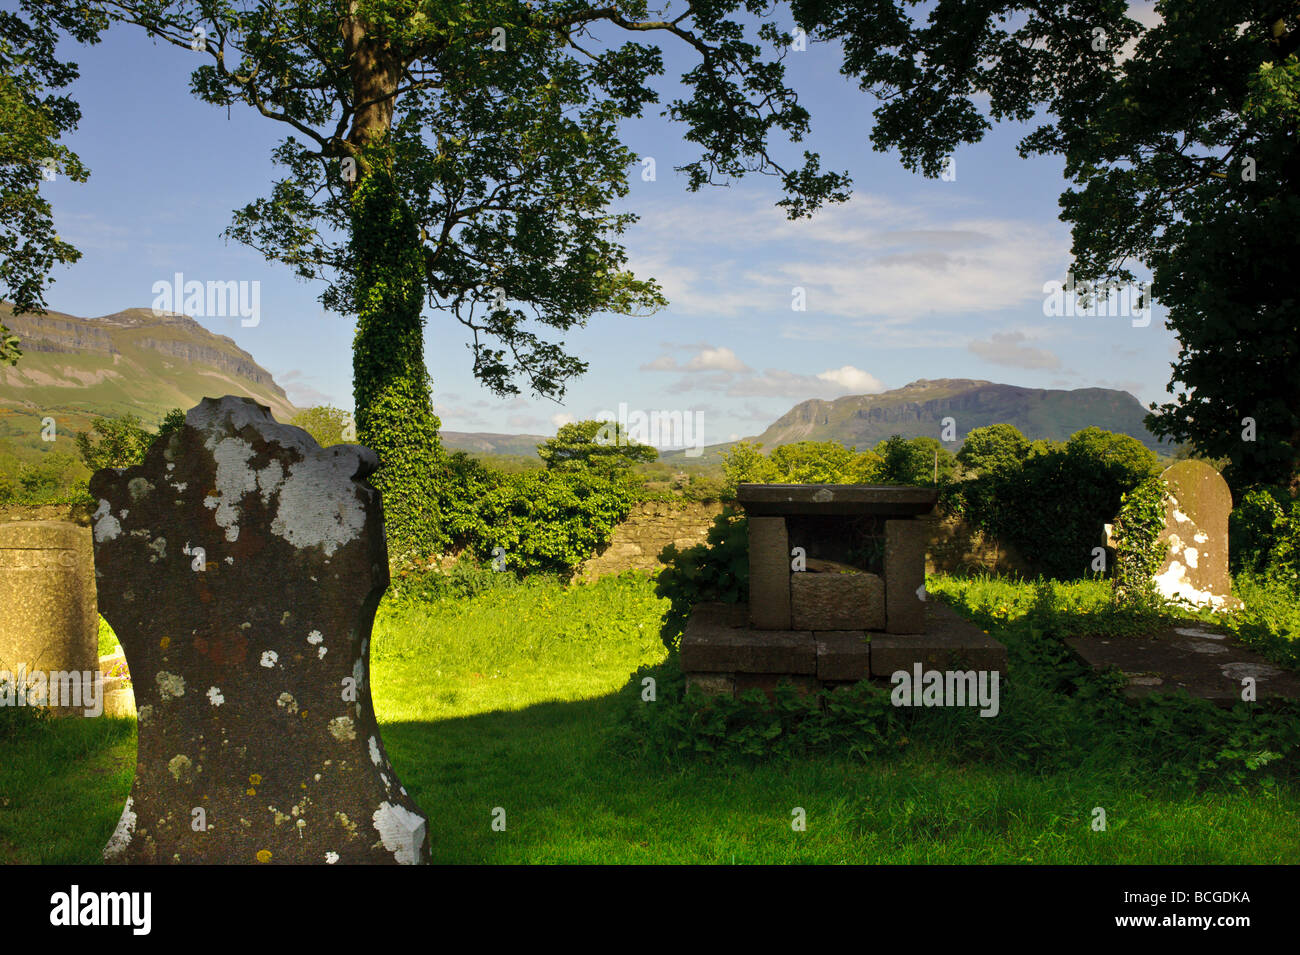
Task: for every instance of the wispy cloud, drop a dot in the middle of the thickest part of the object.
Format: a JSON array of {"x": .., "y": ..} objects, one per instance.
[
  {"x": 872, "y": 258},
  {"x": 1008, "y": 349}
]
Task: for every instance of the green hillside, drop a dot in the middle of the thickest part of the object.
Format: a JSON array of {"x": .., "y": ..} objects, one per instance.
[{"x": 74, "y": 370}]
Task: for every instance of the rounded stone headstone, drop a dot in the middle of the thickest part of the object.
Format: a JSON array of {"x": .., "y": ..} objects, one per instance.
[
  {"x": 49, "y": 624},
  {"x": 1197, "y": 505}
]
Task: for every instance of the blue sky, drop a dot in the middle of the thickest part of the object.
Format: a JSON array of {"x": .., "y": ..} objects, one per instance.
[{"x": 914, "y": 278}]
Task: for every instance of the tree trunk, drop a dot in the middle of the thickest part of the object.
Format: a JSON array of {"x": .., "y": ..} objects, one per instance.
[{"x": 390, "y": 383}]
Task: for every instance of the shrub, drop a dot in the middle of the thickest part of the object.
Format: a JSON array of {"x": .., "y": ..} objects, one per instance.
[
  {"x": 858, "y": 721},
  {"x": 1053, "y": 506},
  {"x": 552, "y": 520},
  {"x": 1252, "y": 526},
  {"x": 717, "y": 570}
]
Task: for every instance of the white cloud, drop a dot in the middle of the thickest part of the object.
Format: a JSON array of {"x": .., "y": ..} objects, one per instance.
[
  {"x": 716, "y": 359},
  {"x": 777, "y": 383},
  {"x": 853, "y": 380},
  {"x": 561, "y": 418}
]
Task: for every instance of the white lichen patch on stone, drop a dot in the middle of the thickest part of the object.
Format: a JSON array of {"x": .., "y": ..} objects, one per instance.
[
  {"x": 1191, "y": 555},
  {"x": 1200, "y": 537},
  {"x": 287, "y": 702},
  {"x": 234, "y": 479},
  {"x": 181, "y": 767},
  {"x": 1175, "y": 585},
  {"x": 107, "y": 527},
  {"x": 121, "y": 837},
  {"x": 342, "y": 729},
  {"x": 375, "y": 756},
  {"x": 319, "y": 505},
  {"x": 269, "y": 658},
  {"x": 1180, "y": 517},
  {"x": 159, "y": 548},
  {"x": 170, "y": 685},
  {"x": 322, "y": 651},
  {"x": 331, "y": 858},
  {"x": 279, "y": 816},
  {"x": 314, "y": 637},
  {"x": 215, "y": 697},
  {"x": 144, "y": 714},
  {"x": 1258, "y": 671},
  {"x": 401, "y": 831}
]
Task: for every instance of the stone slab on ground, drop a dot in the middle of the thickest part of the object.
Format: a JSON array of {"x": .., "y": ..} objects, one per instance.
[
  {"x": 1207, "y": 663},
  {"x": 843, "y": 656},
  {"x": 950, "y": 641}
]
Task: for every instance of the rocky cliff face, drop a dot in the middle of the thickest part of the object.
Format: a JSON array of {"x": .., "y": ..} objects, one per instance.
[
  {"x": 921, "y": 407},
  {"x": 131, "y": 362},
  {"x": 176, "y": 336}
]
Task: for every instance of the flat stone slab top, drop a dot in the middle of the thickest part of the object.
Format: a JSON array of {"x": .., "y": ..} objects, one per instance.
[
  {"x": 1208, "y": 664},
  {"x": 884, "y": 499},
  {"x": 718, "y": 640},
  {"x": 950, "y": 642}
]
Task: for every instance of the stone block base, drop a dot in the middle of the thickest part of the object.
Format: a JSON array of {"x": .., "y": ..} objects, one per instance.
[{"x": 722, "y": 655}]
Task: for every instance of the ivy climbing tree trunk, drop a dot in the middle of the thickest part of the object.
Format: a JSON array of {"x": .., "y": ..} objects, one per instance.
[{"x": 391, "y": 388}]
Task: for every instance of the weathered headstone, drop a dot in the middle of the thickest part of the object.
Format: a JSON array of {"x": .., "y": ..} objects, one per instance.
[
  {"x": 48, "y": 623},
  {"x": 1197, "y": 505},
  {"x": 241, "y": 566}
]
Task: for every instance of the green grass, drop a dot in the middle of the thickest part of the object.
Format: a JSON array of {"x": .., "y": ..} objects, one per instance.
[{"x": 515, "y": 697}]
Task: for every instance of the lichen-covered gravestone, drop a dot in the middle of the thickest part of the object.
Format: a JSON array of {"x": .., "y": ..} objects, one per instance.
[
  {"x": 1197, "y": 505},
  {"x": 241, "y": 566}
]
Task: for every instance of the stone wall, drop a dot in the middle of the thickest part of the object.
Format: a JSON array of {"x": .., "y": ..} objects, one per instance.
[
  {"x": 957, "y": 547},
  {"x": 954, "y": 546},
  {"x": 649, "y": 528}
]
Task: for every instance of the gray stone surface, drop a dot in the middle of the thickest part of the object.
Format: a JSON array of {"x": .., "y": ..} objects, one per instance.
[
  {"x": 1197, "y": 505},
  {"x": 48, "y": 619},
  {"x": 240, "y": 567},
  {"x": 1207, "y": 664},
  {"x": 905, "y": 543},
  {"x": 712, "y": 646},
  {"x": 887, "y": 499},
  {"x": 711, "y": 684},
  {"x": 769, "y": 573},
  {"x": 828, "y": 601},
  {"x": 843, "y": 656},
  {"x": 950, "y": 641}
]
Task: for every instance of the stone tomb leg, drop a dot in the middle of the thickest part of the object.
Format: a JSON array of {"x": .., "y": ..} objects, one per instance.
[
  {"x": 905, "y": 542},
  {"x": 241, "y": 566}
]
